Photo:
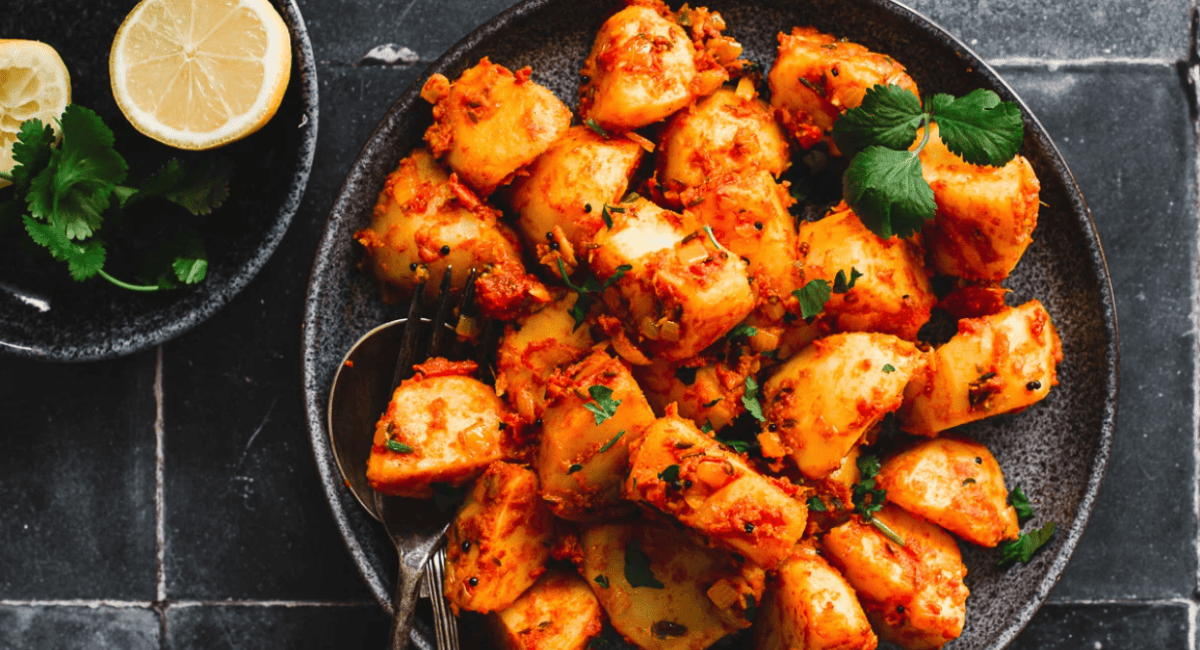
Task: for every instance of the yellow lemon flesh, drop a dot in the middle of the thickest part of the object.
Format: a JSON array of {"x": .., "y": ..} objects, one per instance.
[
  {"x": 197, "y": 75},
  {"x": 33, "y": 84}
]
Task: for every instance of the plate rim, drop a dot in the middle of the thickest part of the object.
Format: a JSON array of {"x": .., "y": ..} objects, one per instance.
[
  {"x": 331, "y": 480},
  {"x": 217, "y": 297}
]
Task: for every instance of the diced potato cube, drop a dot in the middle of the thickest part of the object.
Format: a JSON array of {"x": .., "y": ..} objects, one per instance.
[
  {"x": 640, "y": 231},
  {"x": 913, "y": 595},
  {"x": 893, "y": 295},
  {"x": 686, "y": 596},
  {"x": 499, "y": 542},
  {"x": 825, "y": 398},
  {"x": 579, "y": 481},
  {"x": 810, "y": 606},
  {"x": 642, "y": 68},
  {"x": 688, "y": 475},
  {"x": 532, "y": 350},
  {"x": 724, "y": 132},
  {"x": 424, "y": 222},
  {"x": 559, "y": 612},
  {"x": 985, "y": 215},
  {"x": 569, "y": 185},
  {"x": 997, "y": 364},
  {"x": 708, "y": 394},
  {"x": 817, "y": 76},
  {"x": 955, "y": 483},
  {"x": 490, "y": 122},
  {"x": 441, "y": 426}
]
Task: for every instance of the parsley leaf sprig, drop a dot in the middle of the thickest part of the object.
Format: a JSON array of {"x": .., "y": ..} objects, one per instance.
[
  {"x": 884, "y": 184},
  {"x": 60, "y": 194}
]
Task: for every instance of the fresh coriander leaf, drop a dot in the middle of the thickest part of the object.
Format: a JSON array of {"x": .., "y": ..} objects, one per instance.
[
  {"x": 868, "y": 465},
  {"x": 840, "y": 285},
  {"x": 602, "y": 580},
  {"x": 607, "y": 212},
  {"x": 74, "y": 189},
  {"x": 399, "y": 447},
  {"x": 979, "y": 128},
  {"x": 608, "y": 445},
  {"x": 713, "y": 403},
  {"x": 750, "y": 400},
  {"x": 670, "y": 474},
  {"x": 888, "y": 368},
  {"x": 199, "y": 191},
  {"x": 604, "y": 406},
  {"x": 575, "y": 467},
  {"x": 740, "y": 446},
  {"x": 708, "y": 427},
  {"x": 771, "y": 354},
  {"x": 637, "y": 567},
  {"x": 751, "y": 607},
  {"x": 595, "y": 126},
  {"x": 562, "y": 272},
  {"x": 616, "y": 277},
  {"x": 686, "y": 375},
  {"x": 191, "y": 262},
  {"x": 887, "y": 192},
  {"x": 817, "y": 505},
  {"x": 813, "y": 296},
  {"x": 743, "y": 330},
  {"x": 1020, "y": 503},
  {"x": 867, "y": 499},
  {"x": 48, "y": 235},
  {"x": 1022, "y": 548},
  {"x": 31, "y": 152},
  {"x": 86, "y": 259},
  {"x": 889, "y": 116}
]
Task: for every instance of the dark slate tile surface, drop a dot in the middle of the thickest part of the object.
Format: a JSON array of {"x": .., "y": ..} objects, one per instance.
[
  {"x": 1124, "y": 626},
  {"x": 79, "y": 628},
  {"x": 1138, "y": 179},
  {"x": 268, "y": 628},
  {"x": 1067, "y": 29},
  {"x": 77, "y": 479}
]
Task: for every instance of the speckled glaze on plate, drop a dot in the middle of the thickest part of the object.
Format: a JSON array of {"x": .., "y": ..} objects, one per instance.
[
  {"x": 95, "y": 320},
  {"x": 1057, "y": 450}
]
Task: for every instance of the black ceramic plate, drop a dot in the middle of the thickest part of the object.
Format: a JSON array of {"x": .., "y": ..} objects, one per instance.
[
  {"x": 95, "y": 320},
  {"x": 1056, "y": 450}
]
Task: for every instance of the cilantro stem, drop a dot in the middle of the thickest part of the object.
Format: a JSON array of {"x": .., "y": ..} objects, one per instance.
[
  {"x": 126, "y": 285},
  {"x": 924, "y": 138},
  {"x": 888, "y": 532}
]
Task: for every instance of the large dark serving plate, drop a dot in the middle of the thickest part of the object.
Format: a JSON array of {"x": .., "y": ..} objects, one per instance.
[
  {"x": 1056, "y": 450},
  {"x": 95, "y": 320}
]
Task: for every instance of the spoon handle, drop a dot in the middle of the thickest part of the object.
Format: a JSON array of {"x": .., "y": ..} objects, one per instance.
[{"x": 407, "y": 588}]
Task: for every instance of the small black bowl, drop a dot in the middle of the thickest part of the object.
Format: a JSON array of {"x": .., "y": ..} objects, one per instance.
[
  {"x": 1057, "y": 450},
  {"x": 94, "y": 319}
]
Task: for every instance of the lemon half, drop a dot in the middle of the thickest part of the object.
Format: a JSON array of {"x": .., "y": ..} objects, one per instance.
[
  {"x": 33, "y": 84},
  {"x": 197, "y": 75}
]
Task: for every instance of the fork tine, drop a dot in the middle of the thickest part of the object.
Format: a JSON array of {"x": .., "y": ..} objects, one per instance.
[
  {"x": 443, "y": 308},
  {"x": 488, "y": 345},
  {"x": 408, "y": 345},
  {"x": 466, "y": 303}
]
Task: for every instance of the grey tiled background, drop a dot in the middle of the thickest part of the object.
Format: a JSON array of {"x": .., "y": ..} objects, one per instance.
[{"x": 250, "y": 556}]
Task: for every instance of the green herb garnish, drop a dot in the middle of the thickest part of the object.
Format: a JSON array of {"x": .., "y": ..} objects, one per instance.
[
  {"x": 637, "y": 567},
  {"x": 1020, "y": 503},
  {"x": 888, "y": 368},
  {"x": 399, "y": 447},
  {"x": 1023, "y": 548},
  {"x": 602, "y": 580},
  {"x": 750, "y": 400},
  {"x": 604, "y": 406},
  {"x": 817, "y": 505},
  {"x": 612, "y": 442}
]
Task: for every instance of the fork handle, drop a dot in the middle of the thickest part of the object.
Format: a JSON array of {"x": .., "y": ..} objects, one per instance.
[{"x": 407, "y": 588}]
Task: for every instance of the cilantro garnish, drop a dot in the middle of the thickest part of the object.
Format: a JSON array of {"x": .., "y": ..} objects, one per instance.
[
  {"x": 575, "y": 467},
  {"x": 868, "y": 499},
  {"x": 884, "y": 184},
  {"x": 888, "y": 368},
  {"x": 812, "y": 297},
  {"x": 608, "y": 445},
  {"x": 713, "y": 238},
  {"x": 840, "y": 285},
  {"x": 1022, "y": 548},
  {"x": 584, "y": 299},
  {"x": 743, "y": 330},
  {"x": 817, "y": 505},
  {"x": 595, "y": 126},
  {"x": 740, "y": 446},
  {"x": 607, "y": 212},
  {"x": 399, "y": 447},
  {"x": 670, "y": 474},
  {"x": 602, "y": 580},
  {"x": 637, "y": 567},
  {"x": 1020, "y": 503},
  {"x": 713, "y": 403},
  {"x": 604, "y": 406},
  {"x": 750, "y": 400},
  {"x": 61, "y": 193},
  {"x": 707, "y": 428}
]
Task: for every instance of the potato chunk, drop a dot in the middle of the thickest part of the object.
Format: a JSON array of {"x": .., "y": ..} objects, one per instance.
[
  {"x": 425, "y": 221},
  {"x": 1000, "y": 363},
  {"x": 499, "y": 542},
  {"x": 680, "y": 292},
  {"x": 569, "y": 184},
  {"x": 579, "y": 481},
  {"x": 535, "y": 347},
  {"x": 643, "y": 67},
  {"x": 914, "y": 596},
  {"x": 825, "y": 398},
  {"x": 696, "y": 595},
  {"x": 559, "y": 612},
  {"x": 817, "y": 76},
  {"x": 810, "y": 606},
  {"x": 688, "y": 475},
  {"x": 893, "y": 295},
  {"x": 443, "y": 426},
  {"x": 955, "y": 483},
  {"x": 724, "y": 132},
  {"x": 708, "y": 394},
  {"x": 490, "y": 122},
  {"x": 985, "y": 215}
]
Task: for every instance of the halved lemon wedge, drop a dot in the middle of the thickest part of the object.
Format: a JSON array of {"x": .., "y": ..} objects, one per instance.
[
  {"x": 33, "y": 84},
  {"x": 197, "y": 75}
]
